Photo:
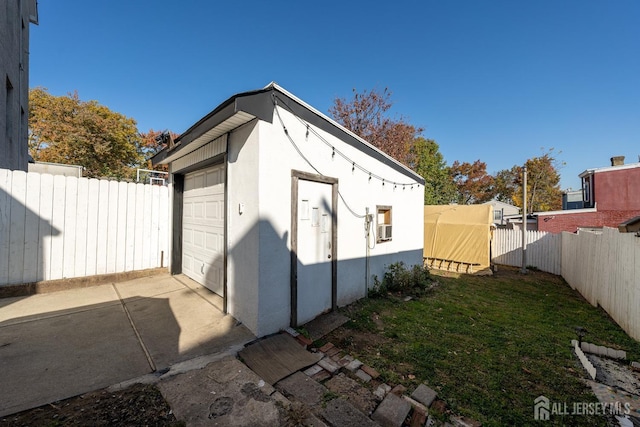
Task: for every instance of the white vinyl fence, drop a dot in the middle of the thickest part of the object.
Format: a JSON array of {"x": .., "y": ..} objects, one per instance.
[
  {"x": 605, "y": 269},
  {"x": 55, "y": 227},
  {"x": 544, "y": 250}
]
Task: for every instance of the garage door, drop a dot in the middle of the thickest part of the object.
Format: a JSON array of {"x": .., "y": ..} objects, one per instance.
[{"x": 203, "y": 227}]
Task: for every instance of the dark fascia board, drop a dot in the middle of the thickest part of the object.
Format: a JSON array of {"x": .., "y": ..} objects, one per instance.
[{"x": 260, "y": 104}]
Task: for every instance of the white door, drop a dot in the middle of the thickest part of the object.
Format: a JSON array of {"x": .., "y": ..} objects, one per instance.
[
  {"x": 203, "y": 227},
  {"x": 314, "y": 249}
]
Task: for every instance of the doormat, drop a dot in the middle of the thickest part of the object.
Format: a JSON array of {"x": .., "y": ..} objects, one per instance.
[
  {"x": 322, "y": 325},
  {"x": 277, "y": 357}
]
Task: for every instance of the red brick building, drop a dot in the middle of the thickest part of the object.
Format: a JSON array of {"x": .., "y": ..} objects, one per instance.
[{"x": 611, "y": 195}]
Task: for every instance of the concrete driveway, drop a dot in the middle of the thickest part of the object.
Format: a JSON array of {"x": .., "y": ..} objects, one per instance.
[{"x": 57, "y": 345}]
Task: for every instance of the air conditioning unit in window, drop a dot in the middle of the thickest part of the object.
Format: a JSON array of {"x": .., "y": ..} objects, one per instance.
[{"x": 384, "y": 232}]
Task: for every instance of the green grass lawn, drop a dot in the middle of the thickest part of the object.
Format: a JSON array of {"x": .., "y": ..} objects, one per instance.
[{"x": 489, "y": 345}]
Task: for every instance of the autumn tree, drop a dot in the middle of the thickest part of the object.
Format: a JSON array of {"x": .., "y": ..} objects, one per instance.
[
  {"x": 505, "y": 184},
  {"x": 65, "y": 129},
  {"x": 367, "y": 115},
  {"x": 473, "y": 183},
  {"x": 543, "y": 184},
  {"x": 151, "y": 143},
  {"x": 428, "y": 162}
]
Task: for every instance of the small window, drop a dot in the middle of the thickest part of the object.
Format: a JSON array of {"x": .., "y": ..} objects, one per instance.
[
  {"x": 497, "y": 215},
  {"x": 383, "y": 222}
]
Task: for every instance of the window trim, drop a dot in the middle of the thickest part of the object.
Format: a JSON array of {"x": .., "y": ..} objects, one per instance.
[{"x": 387, "y": 212}]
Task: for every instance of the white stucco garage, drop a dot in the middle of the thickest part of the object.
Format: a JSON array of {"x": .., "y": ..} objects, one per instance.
[{"x": 285, "y": 213}]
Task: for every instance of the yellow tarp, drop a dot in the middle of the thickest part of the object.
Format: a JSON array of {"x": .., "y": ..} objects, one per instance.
[{"x": 459, "y": 233}]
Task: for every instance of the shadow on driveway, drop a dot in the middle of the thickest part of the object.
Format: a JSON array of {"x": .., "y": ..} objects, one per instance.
[{"x": 54, "y": 346}]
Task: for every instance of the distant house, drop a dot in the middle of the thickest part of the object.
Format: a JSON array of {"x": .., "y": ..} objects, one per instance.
[
  {"x": 572, "y": 199},
  {"x": 285, "y": 213},
  {"x": 14, "y": 89},
  {"x": 610, "y": 196},
  {"x": 502, "y": 211}
]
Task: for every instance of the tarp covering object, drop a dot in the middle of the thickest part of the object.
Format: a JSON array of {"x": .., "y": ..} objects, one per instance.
[{"x": 459, "y": 233}]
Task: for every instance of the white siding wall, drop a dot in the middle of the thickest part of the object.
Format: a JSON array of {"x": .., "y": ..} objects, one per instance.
[
  {"x": 277, "y": 157},
  {"x": 243, "y": 230},
  {"x": 55, "y": 227}
]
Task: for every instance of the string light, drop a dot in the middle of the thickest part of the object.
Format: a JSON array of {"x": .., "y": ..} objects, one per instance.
[{"x": 310, "y": 129}]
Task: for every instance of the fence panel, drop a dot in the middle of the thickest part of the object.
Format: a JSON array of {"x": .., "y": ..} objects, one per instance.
[
  {"x": 544, "y": 250},
  {"x": 55, "y": 227},
  {"x": 605, "y": 269}
]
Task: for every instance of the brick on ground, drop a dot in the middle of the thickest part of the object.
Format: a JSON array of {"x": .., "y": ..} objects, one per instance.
[
  {"x": 332, "y": 351},
  {"x": 398, "y": 390},
  {"x": 345, "y": 360},
  {"x": 321, "y": 376},
  {"x": 363, "y": 375},
  {"x": 312, "y": 370},
  {"x": 382, "y": 391},
  {"x": 392, "y": 411},
  {"x": 424, "y": 395},
  {"x": 326, "y": 347},
  {"x": 304, "y": 341},
  {"x": 329, "y": 365},
  {"x": 354, "y": 365},
  {"x": 418, "y": 418},
  {"x": 369, "y": 370}
]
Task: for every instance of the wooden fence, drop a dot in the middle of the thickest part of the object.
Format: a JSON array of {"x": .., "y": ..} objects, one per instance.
[
  {"x": 544, "y": 250},
  {"x": 55, "y": 227},
  {"x": 605, "y": 269}
]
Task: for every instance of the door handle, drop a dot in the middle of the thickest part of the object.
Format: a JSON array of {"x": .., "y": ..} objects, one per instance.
[{"x": 329, "y": 256}]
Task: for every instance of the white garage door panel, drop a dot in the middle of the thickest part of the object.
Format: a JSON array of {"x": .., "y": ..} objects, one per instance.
[{"x": 203, "y": 227}]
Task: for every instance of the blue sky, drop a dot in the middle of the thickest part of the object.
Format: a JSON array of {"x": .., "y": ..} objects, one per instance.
[{"x": 494, "y": 80}]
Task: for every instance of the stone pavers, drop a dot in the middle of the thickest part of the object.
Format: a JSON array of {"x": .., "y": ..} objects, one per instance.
[
  {"x": 303, "y": 389},
  {"x": 363, "y": 375},
  {"x": 338, "y": 412},
  {"x": 600, "y": 350},
  {"x": 392, "y": 411},
  {"x": 353, "y": 392},
  {"x": 363, "y": 398},
  {"x": 424, "y": 395}
]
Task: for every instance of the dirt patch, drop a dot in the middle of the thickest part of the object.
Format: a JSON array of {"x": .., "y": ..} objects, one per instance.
[
  {"x": 137, "y": 405},
  {"x": 350, "y": 339}
]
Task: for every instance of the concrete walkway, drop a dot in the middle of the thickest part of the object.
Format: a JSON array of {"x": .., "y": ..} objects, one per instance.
[{"x": 58, "y": 345}]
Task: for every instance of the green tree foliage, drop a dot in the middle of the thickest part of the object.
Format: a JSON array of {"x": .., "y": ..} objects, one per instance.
[
  {"x": 473, "y": 183},
  {"x": 543, "y": 184},
  {"x": 506, "y": 184},
  {"x": 65, "y": 129},
  {"x": 151, "y": 143},
  {"x": 428, "y": 162}
]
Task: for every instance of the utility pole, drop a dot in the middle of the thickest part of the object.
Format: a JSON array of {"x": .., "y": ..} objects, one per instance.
[{"x": 523, "y": 270}]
